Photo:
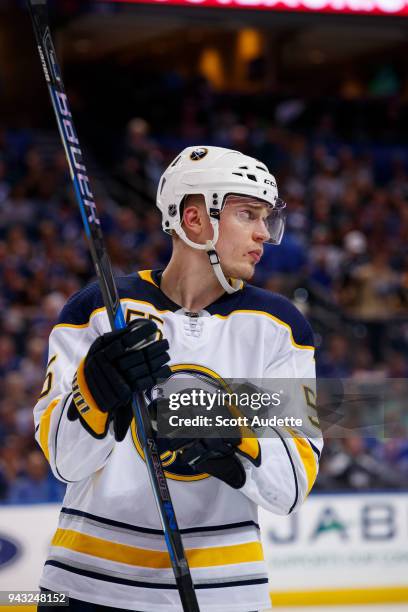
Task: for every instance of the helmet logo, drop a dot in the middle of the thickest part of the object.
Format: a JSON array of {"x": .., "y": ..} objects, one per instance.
[
  {"x": 198, "y": 154},
  {"x": 269, "y": 182},
  {"x": 172, "y": 210}
]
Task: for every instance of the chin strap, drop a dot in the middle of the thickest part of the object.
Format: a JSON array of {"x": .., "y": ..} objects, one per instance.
[
  {"x": 209, "y": 246},
  {"x": 235, "y": 284}
]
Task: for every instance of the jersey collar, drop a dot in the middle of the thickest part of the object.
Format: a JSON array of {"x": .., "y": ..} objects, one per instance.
[{"x": 154, "y": 278}]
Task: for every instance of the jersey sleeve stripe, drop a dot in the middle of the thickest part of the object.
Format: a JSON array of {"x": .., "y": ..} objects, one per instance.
[
  {"x": 270, "y": 316},
  {"x": 127, "y": 526},
  {"x": 45, "y": 423},
  {"x": 154, "y": 559},
  {"x": 307, "y": 457}
]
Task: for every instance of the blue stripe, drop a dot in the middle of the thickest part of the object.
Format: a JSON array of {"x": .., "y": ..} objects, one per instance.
[
  {"x": 106, "y": 521},
  {"x": 315, "y": 449},
  {"x": 56, "y": 441},
  {"x": 293, "y": 470},
  {"x": 151, "y": 585}
]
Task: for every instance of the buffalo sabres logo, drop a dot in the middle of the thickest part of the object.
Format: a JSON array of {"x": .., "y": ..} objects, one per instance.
[
  {"x": 184, "y": 376},
  {"x": 198, "y": 154}
]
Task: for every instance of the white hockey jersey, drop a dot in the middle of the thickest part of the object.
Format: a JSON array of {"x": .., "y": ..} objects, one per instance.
[{"x": 109, "y": 547}]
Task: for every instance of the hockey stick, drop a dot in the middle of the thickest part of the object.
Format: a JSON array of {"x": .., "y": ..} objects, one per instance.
[{"x": 79, "y": 176}]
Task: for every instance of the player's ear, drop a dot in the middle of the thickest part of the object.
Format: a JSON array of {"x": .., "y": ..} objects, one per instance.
[
  {"x": 192, "y": 220},
  {"x": 195, "y": 218}
]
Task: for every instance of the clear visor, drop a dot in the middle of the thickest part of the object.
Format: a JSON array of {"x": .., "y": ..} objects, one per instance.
[{"x": 257, "y": 212}]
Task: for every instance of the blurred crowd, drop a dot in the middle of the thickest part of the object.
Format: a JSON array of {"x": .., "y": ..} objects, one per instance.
[{"x": 343, "y": 261}]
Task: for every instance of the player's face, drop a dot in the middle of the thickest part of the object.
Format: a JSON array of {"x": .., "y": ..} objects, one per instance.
[{"x": 243, "y": 231}]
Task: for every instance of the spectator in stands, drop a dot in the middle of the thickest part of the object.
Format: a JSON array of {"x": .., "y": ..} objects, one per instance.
[
  {"x": 9, "y": 360},
  {"x": 35, "y": 484},
  {"x": 335, "y": 361},
  {"x": 373, "y": 296}
]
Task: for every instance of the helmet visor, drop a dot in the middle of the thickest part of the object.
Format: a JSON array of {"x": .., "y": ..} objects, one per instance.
[
  {"x": 276, "y": 221},
  {"x": 273, "y": 216}
]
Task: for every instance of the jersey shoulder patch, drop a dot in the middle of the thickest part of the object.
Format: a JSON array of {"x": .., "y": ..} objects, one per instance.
[
  {"x": 81, "y": 305},
  {"x": 281, "y": 309}
]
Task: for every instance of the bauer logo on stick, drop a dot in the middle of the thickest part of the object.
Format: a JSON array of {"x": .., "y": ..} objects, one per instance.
[{"x": 198, "y": 154}]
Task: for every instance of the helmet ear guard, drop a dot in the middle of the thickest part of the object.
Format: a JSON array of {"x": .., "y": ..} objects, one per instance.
[{"x": 215, "y": 173}]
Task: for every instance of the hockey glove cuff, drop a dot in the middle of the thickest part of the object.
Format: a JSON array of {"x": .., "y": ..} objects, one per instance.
[
  {"x": 218, "y": 457},
  {"x": 92, "y": 418},
  {"x": 117, "y": 365}
]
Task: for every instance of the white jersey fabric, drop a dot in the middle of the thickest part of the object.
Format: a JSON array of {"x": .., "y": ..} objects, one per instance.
[{"x": 109, "y": 547}]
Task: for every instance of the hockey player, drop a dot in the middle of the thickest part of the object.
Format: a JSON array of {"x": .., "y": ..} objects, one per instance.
[{"x": 220, "y": 207}]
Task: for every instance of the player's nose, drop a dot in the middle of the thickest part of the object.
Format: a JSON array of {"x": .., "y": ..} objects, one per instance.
[{"x": 261, "y": 232}]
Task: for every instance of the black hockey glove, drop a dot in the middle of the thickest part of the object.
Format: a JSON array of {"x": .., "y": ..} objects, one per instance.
[
  {"x": 218, "y": 457},
  {"x": 118, "y": 364}
]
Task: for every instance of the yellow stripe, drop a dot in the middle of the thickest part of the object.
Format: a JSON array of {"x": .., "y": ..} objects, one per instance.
[
  {"x": 250, "y": 446},
  {"x": 267, "y": 314},
  {"x": 95, "y": 418},
  {"x": 146, "y": 275},
  {"x": 140, "y": 557},
  {"x": 182, "y": 478},
  {"x": 341, "y": 597},
  {"x": 26, "y": 608},
  {"x": 193, "y": 367},
  {"x": 249, "y": 442},
  {"x": 45, "y": 422},
  {"x": 103, "y": 309},
  {"x": 79, "y": 326},
  {"x": 308, "y": 458},
  {"x": 83, "y": 387}
]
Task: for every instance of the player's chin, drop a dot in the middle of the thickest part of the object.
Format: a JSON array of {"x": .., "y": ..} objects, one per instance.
[{"x": 244, "y": 271}]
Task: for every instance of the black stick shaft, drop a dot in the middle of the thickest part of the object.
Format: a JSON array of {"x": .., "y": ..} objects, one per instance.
[{"x": 85, "y": 200}]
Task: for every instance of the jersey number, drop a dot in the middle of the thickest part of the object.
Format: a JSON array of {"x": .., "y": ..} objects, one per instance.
[
  {"x": 133, "y": 314},
  {"x": 310, "y": 396},
  {"x": 49, "y": 378}
]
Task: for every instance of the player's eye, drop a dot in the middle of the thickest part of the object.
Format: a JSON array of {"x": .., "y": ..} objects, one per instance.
[{"x": 246, "y": 214}]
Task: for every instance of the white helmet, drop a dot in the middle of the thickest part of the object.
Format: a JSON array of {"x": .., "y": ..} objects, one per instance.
[{"x": 215, "y": 173}]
